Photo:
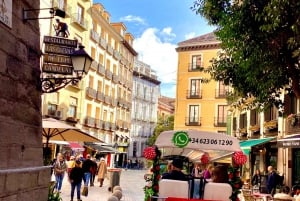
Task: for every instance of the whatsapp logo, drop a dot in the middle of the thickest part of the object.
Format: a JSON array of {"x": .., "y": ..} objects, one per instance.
[{"x": 180, "y": 139}]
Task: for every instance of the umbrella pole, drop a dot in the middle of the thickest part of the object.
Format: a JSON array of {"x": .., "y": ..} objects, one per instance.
[{"x": 47, "y": 153}]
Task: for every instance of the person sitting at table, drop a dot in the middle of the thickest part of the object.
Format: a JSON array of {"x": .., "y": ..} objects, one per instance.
[
  {"x": 176, "y": 171},
  {"x": 207, "y": 173},
  {"x": 256, "y": 179},
  {"x": 295, "y": 191},
  {"x": 284, "y": 193},
  {"x": 220, "y": 174}
]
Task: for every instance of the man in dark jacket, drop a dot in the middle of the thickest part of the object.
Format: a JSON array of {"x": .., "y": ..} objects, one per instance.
[
  {"x": 176, "y": 171},
  {"x": 76, "y": 176},
  {"x": 271, "y": 182},
  {"x": 86, "y": 167}
]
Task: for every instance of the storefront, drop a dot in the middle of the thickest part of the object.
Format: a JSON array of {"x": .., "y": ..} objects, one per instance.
[{"x": 290, "y": 146}]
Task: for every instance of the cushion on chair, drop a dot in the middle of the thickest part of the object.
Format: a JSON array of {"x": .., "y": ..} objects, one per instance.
[
  {"x": 217, "y": 191},
  {"x": 173, "y": 188}
]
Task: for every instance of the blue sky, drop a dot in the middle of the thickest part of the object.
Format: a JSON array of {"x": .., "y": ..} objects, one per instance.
[{"x": 158, "y": 26}]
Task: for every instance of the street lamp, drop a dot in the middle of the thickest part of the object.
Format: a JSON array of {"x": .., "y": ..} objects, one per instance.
[{"x": 81, "y": 63}]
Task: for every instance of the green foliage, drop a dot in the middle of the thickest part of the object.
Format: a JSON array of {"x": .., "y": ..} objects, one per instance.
[
  {"x": 52, "y": 195},
  {"x": 261, "y": 45},
  {"x": 162, "y": 125}
]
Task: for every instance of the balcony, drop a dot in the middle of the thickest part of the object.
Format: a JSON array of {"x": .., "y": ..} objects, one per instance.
[
  {"x": 219, "y": 122},
  {"x": 102, "y": 43},
  {"x": 221, "y": 93},
  {"x": 79, "y": 20},
  {"x": 293, "y": 124},
  {"x": 95, "y": 36},
  {"x": 194, "y": 67},
  {"x": 101, "y": 69},
  {"x": 271, "y": 128},
  {"x": 99, "y": 124},
  {"x": 107, "y": 125},
  {"x": 107, "y": 99},
  {"x": 100, "y": 96},
  {"x": 117, "y": 55},
  {"x": 94, "y": 65},
  {"x": 91, "y": 93},
  {"x": 110, "y": 49},
  {"x": 65, "y": 7},
  {"x": 89, "y": 121},
  {"x": 115, "y": 78},
  {"x": 192, "y": 121},
  {"x": 108, "y": 74},
  {"x": 114, "y": 102},
  {"x": 194, "y": 94}
]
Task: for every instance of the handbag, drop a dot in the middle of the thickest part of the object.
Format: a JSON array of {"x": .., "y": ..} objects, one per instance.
[
  {"x": 85, "y": 191},
  {"x": 53, "y": 176}
]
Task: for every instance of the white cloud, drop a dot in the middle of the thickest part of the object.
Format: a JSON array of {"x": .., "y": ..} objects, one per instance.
[
  {"x": 167, "y": 34},
  {"x": 160, "y": 55},
  {"x": 131, "y": 18},
  {"x": 190, "y": 35}
]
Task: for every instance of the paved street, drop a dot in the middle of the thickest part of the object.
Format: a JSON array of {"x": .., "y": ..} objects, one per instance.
[{"x": 131, "y": 182}]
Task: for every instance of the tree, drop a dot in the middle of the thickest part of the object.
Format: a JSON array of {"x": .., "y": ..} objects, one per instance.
[
  {"x": 261, "y": 45},
  {"x": 162, "y": 125}
]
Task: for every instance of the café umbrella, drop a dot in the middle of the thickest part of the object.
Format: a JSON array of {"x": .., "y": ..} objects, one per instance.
[{"x": 58, "y": 130}]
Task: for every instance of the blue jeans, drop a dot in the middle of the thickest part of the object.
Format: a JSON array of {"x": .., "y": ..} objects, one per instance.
[
  {"x": 59, "y": 179},
  {"x": 77, "y": 186},
  {"x": 87, "y": 177}
]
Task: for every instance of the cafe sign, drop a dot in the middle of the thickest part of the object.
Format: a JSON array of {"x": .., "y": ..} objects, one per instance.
[{"x": 57, "y": 55}]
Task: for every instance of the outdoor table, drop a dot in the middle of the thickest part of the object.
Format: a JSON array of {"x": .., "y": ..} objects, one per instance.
[
  {"x": 184, "y": 199},
  {"x": 262, "y": 196}
]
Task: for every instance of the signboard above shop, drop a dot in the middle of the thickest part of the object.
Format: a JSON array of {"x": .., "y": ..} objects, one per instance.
[{"x": 57, "y": 55}]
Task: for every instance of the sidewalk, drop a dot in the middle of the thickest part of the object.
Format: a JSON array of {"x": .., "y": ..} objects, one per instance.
[{"x": 131, "y": 182}]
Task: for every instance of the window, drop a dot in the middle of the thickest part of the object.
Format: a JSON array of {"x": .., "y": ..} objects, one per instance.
[
  {"x": 52, "y": 109},
  {"x": 80, "y": 16},
  {"x": 195, "y": 88},
  {"x": 196, "y": 62},
  {"x": 73, "y": 107},
  {"x": 194, "y": 114},
  {"x": 222, "y": 116},
  {"x": 222, "y": 89}
]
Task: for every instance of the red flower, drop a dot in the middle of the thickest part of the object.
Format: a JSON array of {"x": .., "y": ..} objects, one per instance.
[
  {"x": 157, "y": 167},
  {"x": 230, "y": 176},
  {"x": 149, "y": 153}
]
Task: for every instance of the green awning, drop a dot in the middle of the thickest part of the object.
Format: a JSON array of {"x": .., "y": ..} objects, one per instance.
[{"x": 246, "y": 145}]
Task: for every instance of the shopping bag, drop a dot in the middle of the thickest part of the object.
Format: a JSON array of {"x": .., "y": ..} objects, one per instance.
[
  {"x": 53, "y": 177},
  {"x": 85, "y": 191}
]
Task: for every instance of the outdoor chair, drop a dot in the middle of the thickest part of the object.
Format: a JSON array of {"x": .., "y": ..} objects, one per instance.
[
  {"x": 281, "y": 199},
  {"x": 217, "y": 191},
  {"x": 173, "y": 188}
]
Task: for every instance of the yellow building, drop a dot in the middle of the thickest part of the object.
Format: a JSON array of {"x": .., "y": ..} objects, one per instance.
[
  {"x": 100, "y": 104},
  {"x": 199, "y": 105}
]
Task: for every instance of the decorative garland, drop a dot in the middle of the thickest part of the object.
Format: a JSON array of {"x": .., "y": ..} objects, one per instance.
[
  {"x": 153, "y": 154},
  {"x": 239, "y": 159}
]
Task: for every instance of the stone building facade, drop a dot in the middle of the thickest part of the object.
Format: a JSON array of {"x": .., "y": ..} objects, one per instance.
[{"x": 22, "y": 174}]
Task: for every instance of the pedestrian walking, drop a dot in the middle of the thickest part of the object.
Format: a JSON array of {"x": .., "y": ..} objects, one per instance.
[
  {"x": 76, "y": 177},
  {"x": 60, "y": 167},
  {"x": 102, "y": 171},
  {"x": 93, "y": 171},
  {"x": 86, "y": 166}
]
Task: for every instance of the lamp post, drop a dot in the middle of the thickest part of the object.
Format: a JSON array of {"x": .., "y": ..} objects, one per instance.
[{"x": 81, "y": 63}]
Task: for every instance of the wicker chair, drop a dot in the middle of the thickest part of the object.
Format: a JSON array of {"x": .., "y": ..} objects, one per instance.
[{"x": 281, "y": 199}]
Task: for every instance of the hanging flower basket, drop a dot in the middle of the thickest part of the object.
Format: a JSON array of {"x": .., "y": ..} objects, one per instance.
[{"x": 204, "y": 159}]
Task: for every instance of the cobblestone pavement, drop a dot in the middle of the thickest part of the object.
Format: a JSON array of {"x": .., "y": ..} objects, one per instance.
[{"x": 131, "y": 182}]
